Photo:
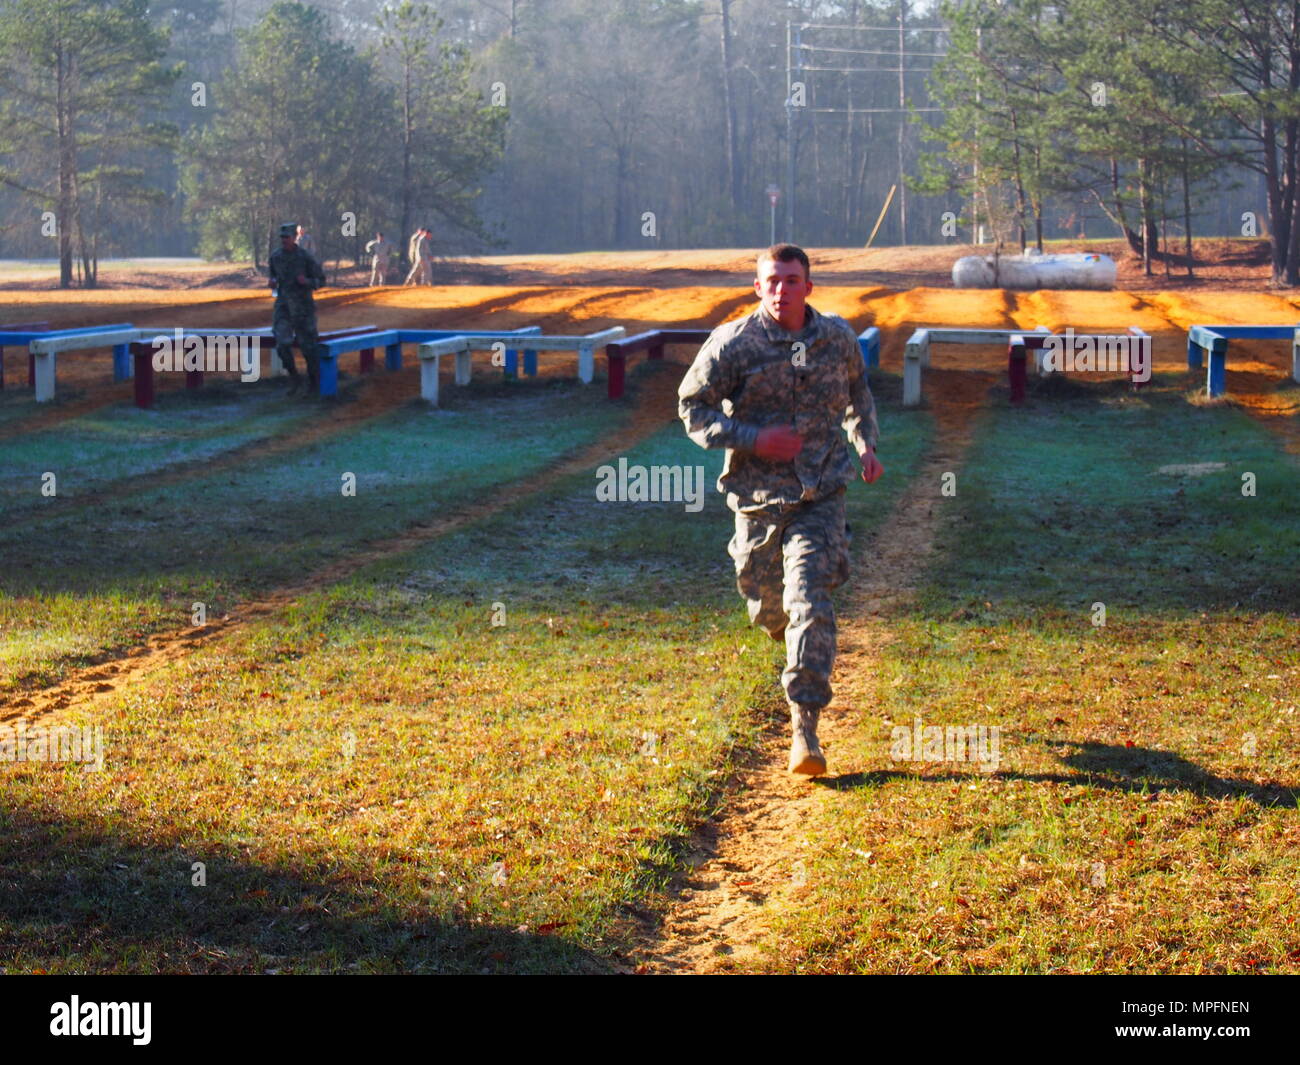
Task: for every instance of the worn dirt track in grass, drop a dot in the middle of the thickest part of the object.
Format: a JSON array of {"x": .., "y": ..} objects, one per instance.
[
  {"x": 655, "y": 404},
  {"x": 745, "y": 862},
  {"x": 1276, "y": 409}
]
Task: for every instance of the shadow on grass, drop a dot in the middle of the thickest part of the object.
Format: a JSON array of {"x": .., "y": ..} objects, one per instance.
[
  {"x": 75, "y": 899},
  {"x": 1107, "y": 767}
]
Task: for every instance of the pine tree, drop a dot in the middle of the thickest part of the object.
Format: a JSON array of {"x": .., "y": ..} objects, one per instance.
[{"x": 80, "y": 82}]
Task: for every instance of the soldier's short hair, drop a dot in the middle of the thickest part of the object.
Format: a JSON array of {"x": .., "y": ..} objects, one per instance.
[{"x": 785, "y": 253}]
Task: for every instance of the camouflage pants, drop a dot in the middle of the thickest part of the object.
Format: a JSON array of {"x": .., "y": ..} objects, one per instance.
[
  {"x": 787, "y": 565},
  {"x": 290, "y": 322}
]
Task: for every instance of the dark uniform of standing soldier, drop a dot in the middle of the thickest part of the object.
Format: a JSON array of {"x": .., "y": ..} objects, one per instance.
[
  {"x": 775, "y": 389},
  {"x": 294, "y": 276}
]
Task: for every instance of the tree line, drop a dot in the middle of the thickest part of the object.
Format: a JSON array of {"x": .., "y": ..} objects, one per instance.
[
  {"x": 1143, "y": 110},
  {"x": 131, "y": 127}
]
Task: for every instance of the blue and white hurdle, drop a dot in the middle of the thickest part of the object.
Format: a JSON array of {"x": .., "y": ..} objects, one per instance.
[
  {"x": 42, "y": 358},
  {"x": 131, "y": 353},
  {"x": 463, "y": 344},
  {"x": 391, "y": 340},
  {"x": 45, "y": 346},
  {"x": 869, "y": 345},
  {"x": 1212, "y": 340}
]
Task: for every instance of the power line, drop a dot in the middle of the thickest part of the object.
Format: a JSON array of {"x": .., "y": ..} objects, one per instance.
[
  {"x": 869, "y": 110},
  {"x": 876, "y": 29},
  {"x": 864, "y": 51},
  {"x": 870, "y": 70}
]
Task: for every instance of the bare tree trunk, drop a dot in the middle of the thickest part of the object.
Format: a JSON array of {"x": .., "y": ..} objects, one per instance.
[
  {"x": 729, "y": 105},
  {"x": 1292, "y": 262},
  {"x": 1145, "y": 209},
  {"x": 67, "y": 170},
  {"x": 902, "y": 126},
  {"x": 1164, "y": 225},
  {"x": 1187, "y": 210},
  {"x": 407, "y": 136},
  {"x": 1279, "y": 218},
  {"x": 1020, "y": 186}
]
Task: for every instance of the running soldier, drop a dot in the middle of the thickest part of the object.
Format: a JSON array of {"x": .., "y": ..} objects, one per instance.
[
  {"x": 774, "y": 389},
  {"x": 294, "y": 276}
]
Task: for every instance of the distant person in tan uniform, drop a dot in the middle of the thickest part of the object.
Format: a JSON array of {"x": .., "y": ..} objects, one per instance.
[
  {"x": 421, "y": 255},
  {"x": 381, "y": 249}
]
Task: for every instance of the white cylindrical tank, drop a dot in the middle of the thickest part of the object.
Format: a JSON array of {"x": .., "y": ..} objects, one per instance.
[{"x": 1031, "y": 271}]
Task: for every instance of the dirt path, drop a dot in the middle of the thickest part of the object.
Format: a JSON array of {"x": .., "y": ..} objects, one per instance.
[
  {"x": 745, "y": 862},
  {"x": 1261, "y": 396},
  {"x": 655, "y": 402}
]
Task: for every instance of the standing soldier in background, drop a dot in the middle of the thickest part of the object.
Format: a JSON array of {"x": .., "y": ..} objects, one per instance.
[
  {"x": 294, "y": 276},
  {"x": 774, "y": 389},
  {"x": 307, "y": 243},
  {"x": 381, "y": 249}
]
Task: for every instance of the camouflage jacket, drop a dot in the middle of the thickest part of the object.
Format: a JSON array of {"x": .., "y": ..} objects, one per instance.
[
  {"x": 749, "y": 375},
  {"x": 284, "y": 268}
]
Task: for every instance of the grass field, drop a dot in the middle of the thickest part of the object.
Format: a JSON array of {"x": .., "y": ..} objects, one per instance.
[
  {"x": 1143, "y": 816},
  {"x": 470, "y": 719}
]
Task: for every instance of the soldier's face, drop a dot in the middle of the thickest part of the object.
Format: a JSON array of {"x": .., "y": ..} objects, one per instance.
[
  {"x": 783, "y": 288},
  {"x": 287, "y": 241}
]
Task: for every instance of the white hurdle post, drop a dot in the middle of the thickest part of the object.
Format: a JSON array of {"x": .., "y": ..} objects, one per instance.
[
  {"x": 916, "y": 353},
  {"x": 587, "y": 350},
  {"x": 45, "y": 375},
  {"x": 46, "y": 349},
  {"x": 585, "y": 345},
  {"x": 431, "y": 353}
]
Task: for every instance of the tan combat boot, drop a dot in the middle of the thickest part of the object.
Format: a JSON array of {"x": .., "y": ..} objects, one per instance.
[{"x": 805, "y": 752}]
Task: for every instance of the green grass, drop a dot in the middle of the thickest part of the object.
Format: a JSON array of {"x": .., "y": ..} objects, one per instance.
[
  {"x": 91, "y": 453},
  {"x": 1142, "y": 818},
  {"x": 89, "y": 581},
  {"x": 381, "y": 779},
  {"x": 384, "y": 780}
]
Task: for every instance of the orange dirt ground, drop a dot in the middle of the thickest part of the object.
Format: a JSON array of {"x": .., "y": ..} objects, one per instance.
[{"x": 897, "y": 289}]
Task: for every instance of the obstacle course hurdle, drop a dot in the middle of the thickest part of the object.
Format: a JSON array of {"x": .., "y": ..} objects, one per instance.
[
  {"x": 132, "y": 352},
  {"x": 143, "y": 356},
  {"x": 916, "y": 352},
  {"x": 869, "y": 345},
  {"x": 1213, "y": 339},
  {"x": 462, "y": 344},
  {"x": 27, "y": 335},
  {"x": 44, "y": 348},
  {"x": 652, "y": 343},
  {"x": 1018, "y": 348},
  {"x": 23, "y": 327},
  {"x": 391, "y": 340}
]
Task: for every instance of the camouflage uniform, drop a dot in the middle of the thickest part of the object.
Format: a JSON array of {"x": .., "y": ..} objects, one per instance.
[
  {"x": 791, "y": 545},
  {"x": 295, "y": 309}
]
